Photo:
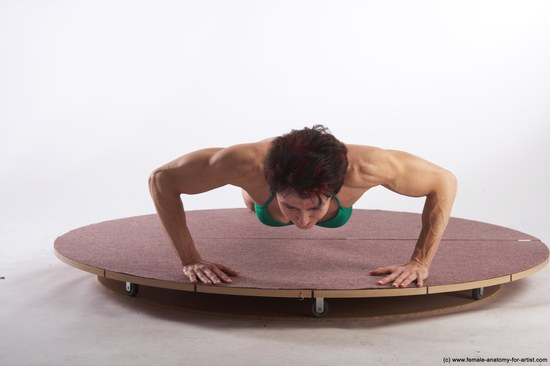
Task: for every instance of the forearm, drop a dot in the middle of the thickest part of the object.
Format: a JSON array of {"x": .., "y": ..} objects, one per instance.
[
  {"x": 170, "y": 210},
  {"x": 435, "y": 217},
  {"x": 426, "y": 246}
]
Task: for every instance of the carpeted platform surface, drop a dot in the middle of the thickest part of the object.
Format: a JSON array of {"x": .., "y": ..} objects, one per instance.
[{"x": 291, "y": 258}]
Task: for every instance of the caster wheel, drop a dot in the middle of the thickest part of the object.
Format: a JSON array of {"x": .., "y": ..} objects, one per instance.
[
  {"x": 132, "y": 289},
  {"x": 319, "y": 308},
  {"x": 477, "y": 293}
]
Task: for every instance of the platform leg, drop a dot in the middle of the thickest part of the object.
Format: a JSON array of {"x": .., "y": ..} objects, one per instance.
[
  {"x": 477, "y": 293},
  {"x": 320, "y": 307},
  {"x": 131, "y": 289}
]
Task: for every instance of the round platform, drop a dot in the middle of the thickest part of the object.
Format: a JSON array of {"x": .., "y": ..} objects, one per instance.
[{"x": 290, "y": 262}]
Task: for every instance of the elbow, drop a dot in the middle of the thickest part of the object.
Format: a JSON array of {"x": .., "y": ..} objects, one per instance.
[
  {"x": 451, "y": 182},
  {"x": 157, "y": 182},
  {"x": 446, "y": 187}
]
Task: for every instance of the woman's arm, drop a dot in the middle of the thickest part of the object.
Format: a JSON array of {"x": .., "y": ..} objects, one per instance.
[
  {"x": 197, "y": 172},
  {"x": 410, "y": 175}
]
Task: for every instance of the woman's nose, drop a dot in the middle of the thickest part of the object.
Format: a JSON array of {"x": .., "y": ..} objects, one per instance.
[{"x": 304, "y": 219}]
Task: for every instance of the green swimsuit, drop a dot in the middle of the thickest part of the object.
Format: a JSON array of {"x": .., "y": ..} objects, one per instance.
[{"x": 343, "y": 215}]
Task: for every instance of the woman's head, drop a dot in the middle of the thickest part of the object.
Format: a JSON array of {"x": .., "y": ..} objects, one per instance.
[{"x": 309, "y": 163}]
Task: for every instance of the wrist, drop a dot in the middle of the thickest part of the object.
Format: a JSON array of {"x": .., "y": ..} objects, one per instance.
[
  {"x": 192, "y": 259},
  {"x": 420, "y": 262}
]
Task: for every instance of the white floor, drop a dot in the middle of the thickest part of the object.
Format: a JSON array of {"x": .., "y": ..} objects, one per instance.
[{"x": 53, "y": 314}]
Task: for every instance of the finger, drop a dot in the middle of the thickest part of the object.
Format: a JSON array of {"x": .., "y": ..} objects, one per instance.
[
  {"x": 389, "y": 278},
  {"x": 381, "y": 270},
  {"x": 419, "y": 282},
  {"x": 402, "y": 276},
  {"x": 221, "y": 275},
  {"x": 202, "y": 277},
  {"x": 227, "y": 270},
  {"x": 190, "y": 274},
  {"x": 408, "y": 280},
  {"x": 211, "y": 276}
]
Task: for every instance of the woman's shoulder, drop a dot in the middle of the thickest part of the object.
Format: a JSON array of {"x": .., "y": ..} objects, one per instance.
[
  {"x": 368, "y": 165},
  {"x": 243, "y": 161},
  {"x": 362, "y": 150},
  {"x": 246, "y": 153}
]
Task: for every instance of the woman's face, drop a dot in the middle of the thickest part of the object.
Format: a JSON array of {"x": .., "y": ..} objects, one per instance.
[{"x": 303, "y": 212}]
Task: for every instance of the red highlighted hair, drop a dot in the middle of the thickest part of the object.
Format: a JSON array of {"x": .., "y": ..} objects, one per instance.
[{"x": 309, "y": 162}]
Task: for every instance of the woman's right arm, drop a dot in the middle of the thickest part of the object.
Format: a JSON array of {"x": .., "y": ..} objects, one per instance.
[{"x": 197, "y": 172}]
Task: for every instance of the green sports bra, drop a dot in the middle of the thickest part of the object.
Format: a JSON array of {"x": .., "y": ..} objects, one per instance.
[{"x": 342, "y": 216}]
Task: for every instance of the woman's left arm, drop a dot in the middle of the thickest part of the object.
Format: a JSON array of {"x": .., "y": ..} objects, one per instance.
[{"x": 410, "y": 175}]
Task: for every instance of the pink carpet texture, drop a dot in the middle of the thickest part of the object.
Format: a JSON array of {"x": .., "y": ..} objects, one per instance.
[{"x": 291, "y": 258}]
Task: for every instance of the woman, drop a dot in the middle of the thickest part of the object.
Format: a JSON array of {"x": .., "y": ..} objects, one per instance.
[{"x": 305, "y": 178}]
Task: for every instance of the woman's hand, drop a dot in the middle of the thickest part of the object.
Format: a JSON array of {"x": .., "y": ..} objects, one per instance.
[
  {"x": 402, "y": 275},
  {"x": 208, "y": 273}
]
